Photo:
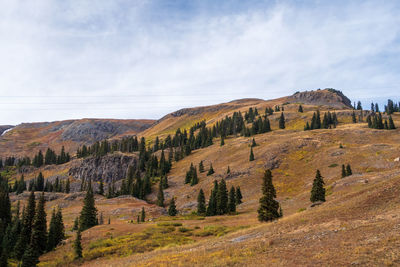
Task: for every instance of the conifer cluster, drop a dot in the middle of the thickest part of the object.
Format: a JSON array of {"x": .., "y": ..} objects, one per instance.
[{"x": 329, "y": 121}]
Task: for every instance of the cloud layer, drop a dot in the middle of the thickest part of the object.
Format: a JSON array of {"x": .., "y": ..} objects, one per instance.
[{"x": 73, "y": 59}]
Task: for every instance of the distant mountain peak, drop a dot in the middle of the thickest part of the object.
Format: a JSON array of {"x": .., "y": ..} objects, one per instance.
[{"x": 327, "y": 97}]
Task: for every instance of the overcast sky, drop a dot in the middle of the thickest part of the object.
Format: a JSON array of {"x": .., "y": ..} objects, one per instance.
[{"x": 142, "y": 59}]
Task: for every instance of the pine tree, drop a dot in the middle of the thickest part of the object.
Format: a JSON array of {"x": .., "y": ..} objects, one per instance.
[
  {"x": 269, "y": 207},
  {"x": 78, "y": 245},
  {"x": 344, "y": 174},
  {"x": 172, "y": 208},
  {"x": 194, "y": 179},
  {"x": 88, "y": 214},
  {"x": 228, "y": 171},
  {"x": 76, "y": 224},
  {"x": 201, "y": 203},
  {"x": 143, "y": 215},
  {"x": 212, "y": 202},
  {"x": 318, "y": 190},
  {"x": 348, "y": 170},
  {"x": 211, "y": 170},
  {"x": 201, "y": 167},
  {"x": 232, "y": 200},
  {"x": 67, "y": 186},
  {"x": 222, "y": 198},
  {"x": 238, "y": 196},
  {"x": 51, "y": 240},
  {"x": 39, "y": 227},
  {"x": 300, "y": 108},
  {"x": 353, "y": 117},
  {"x": 222, "y": 141},
  {"x": 160, "y": 196},
  {"x": 391, "y": 123},
  {"x": 253, "y": 143},
  {"x": 251, "y": 154},
  {"x": 30, "y": 257},
  {"x": 282, "y": 121}
]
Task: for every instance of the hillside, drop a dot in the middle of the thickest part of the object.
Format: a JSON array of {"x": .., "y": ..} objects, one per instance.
[
  {"x": 357, "y": 225},
  {"x": 27, "y": 139}
]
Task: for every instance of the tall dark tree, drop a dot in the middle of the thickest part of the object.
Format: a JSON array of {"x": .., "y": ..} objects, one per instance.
[
  {"x": 391, "y": 123},
  {"x": 27, "y": 220},
  {"x": 201, "y": 167},
  {"x": 160, "y": 196},
  {"x": 238, "y": 196},
  {"x": 222, "y": 198},
  {"x": 318, "y": 190},
  {"x": 251, "y": 158},
  {"x": 344, "y": 174},
  {"x": 172, "y": 208},
  {"x": 88, "y": 214},
  {"x": 67, "y": 186},
  {"x": 210, "y": 171},
  {"x": 348, "y": 170},
  {"x": 142, "y": 215},
  {"x": 212, "y": 203},
  {"x": 201, "y": 203},
  {"x": 30, "y": 257},
  {"x": 101, "y": 187},
  {"x": 282, "y": 121},
  {"x": 232, "y": 200},
  {"x": 269, "y": 207},
  {"x": 300, "y": 108},
  {"x": 39, "y": 227},
  {"x": 78, "y": 245},
  {"x": 253, "y": 143}
]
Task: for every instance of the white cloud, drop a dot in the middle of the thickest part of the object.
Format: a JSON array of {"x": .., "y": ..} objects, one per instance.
[{"x": 156, "y": 64}]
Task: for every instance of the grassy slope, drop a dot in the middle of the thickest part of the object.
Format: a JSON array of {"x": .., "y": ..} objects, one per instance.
[{"x": 347, "y": 229}]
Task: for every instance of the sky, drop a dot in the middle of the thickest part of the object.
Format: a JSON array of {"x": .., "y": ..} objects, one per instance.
[{"x": 143, "y": 59}]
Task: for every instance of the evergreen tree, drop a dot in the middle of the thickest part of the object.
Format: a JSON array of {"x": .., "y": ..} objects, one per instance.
[
  {"x": 253, "y": 143},
  {"x": 88, "y": 214},
  {"x": 160, "y": 196},
  {"x": 30, "y": 257},
  {"x": 212, "y": 203},
  {"x": 391, "y": 123},
  {"x": 238, "y": 196},
  {"x": 353, "y": 117},
  {"x": 348, "y": 170},
  {"x": 251, "y": 154},
  {"x": 143, "y": 215},
  {"x": 194, "y": 179},
  {"x": 222, "y": 141},
  {"x": 318, "y": 190},
  {"x": 39, "y": 228},
  {"x": 78, "y": 245},
  {"x": 232, "y": 200},
  {"x": 268, "y": 209},
  {"x": 282, "y": 121},
  {"x": 201, "y": 167},
  {"x": 26, "y": 231},
  {"x": 172, "y": 208},
  {"x": 211, "y": 170},
  {"x": 344, "y": 174},
  {"x": 76, "y": 224},
  {"x": 51, "y": 240},
  {"x": 201, "y": 203},
  {"x": 300, "y": 108},
  {"x": 222, "y": 198},
  {"x": 67, "y": 186},
  {"x": 228, "y": 171}
]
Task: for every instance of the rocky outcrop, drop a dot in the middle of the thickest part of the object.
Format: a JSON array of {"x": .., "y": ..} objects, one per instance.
[
  {"x": 326, "y": 97},
  {"x": 110, "y": 167}
]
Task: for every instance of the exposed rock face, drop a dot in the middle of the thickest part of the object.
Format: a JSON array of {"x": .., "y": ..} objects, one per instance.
[
  {"x": 110, "y": 167},
  {"x": 3, "y": 128},
  {"x": 97, "y": 130},
  {"x": 327, "y": 97}
]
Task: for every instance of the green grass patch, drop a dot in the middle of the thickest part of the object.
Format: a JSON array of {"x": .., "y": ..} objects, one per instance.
[
  {"x": 301, "y": 209},
  {"x": 333, "y": 165},
  {"x": 217, "y": 230}
]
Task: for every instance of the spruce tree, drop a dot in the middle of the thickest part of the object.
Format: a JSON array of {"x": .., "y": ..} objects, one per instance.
[
  {"x": 318, "y": 190},
  {"x": 348, "y": 170},
  {"x": 78, "y": 245},
  {"x": 160, "y": 196},
  {"x": 222, "y": 198},
  {"x": 143, "y": 215},
  {"x": 172, "y": 208},
  {"x": 269, "y": 207},
  {"x": 201, "y": 167},
  {"x": 228, "y": 171},
  {"x": 238, "y": 196},
  {"x": 344, "y": 174},
  {"x": 30, "y": 257},
  {"x": 300, "y": 108},
  {"x": 26, "y": 231},
  {"x": 253, "y": 143},
  {"x": 67, "y": 186},
  {"x": 194, "y": 179},
  {"x": 391, "y": 123},
  {"x": 212, "y": 203},
  {"x": 76, "y": 224},
  {"x": 51, "y": 240},
  {"x": 101, "y": 187},
  {"x": 39, "y": 227},
  {"x": 282, "y": 121},
  {"x": 211, "y": 170},
  {"x": 88, "y": 214},
  {"x": 353, "y": 117},
  {"x": 232, "y": 200},
  {"x": 201, "y": 203},
  {"x": 251, "y": 154}
]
